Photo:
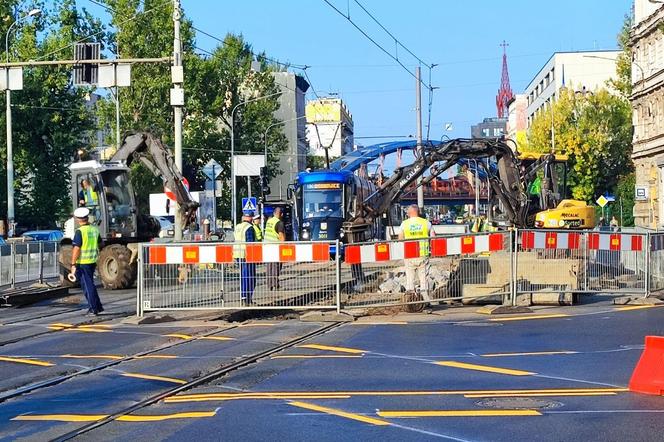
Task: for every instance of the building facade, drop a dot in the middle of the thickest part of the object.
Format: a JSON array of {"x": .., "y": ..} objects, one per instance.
[
  {"x": 489, "y": 128},
  {"x": 292, "y": 113},
  {"x": 648, "y": 112},
  {"x": 329, "y": 126},
  {"x": 582, "y": 71},
  {"x": 516, "y": 120}
]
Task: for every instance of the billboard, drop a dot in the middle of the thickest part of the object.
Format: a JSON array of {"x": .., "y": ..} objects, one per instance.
[{"x": 323, "y": 111}]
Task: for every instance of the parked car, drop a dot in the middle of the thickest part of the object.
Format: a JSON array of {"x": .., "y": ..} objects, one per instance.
[{"x": 42, "y": 235}]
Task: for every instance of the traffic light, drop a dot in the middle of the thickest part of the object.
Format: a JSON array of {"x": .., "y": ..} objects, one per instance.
[{"x": 264, "y": 181}]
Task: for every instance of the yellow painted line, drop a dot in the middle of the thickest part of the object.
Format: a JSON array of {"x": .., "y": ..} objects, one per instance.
[
  {"x": 486, "y": 368},
  {"x": 330, "y": 348},
  {"x": 223, "y": 396},
  {"x": 532, "y": 353},
  {"x": 458, "y": 413},
  {"x": 95, "y": 325},
  {"x": 60, "y": 417},
  {"x": 154, "y": 378},
  {"x": 60, "y": 324},
  {"x": 633, "y": 307},
  {"x": 96, "y": 417},
  {"x": 589, "y": 393},
  {"x": 340, "y": 413},
  {"x": 163, "y": 417},
  {"x": 52, "y": 327},
  {"x": 178, "y": 335},
  {"x": 175, "y": 400},
  {"x": 316, "y": 356},
  {"x": 525, "y": 318},
  {"x": 88, "y": 330},
  {"x": 157, "y": 357},
  {"x": 218, "y": 338},
  {"x": 26, "y": 361},
  {"x": 112, "y": 357}
]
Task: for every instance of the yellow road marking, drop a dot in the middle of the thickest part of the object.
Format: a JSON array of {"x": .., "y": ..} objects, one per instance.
[
  {"x": 175, "y": 400},
  {"x": 589, "y": 393},
  {"x": 112, "y": 357},
  {"x": 96, "y": 417},
  {"x": 60, "y": 324},
  {"x": 340, "y": 413},
  {"x": 525, "y": 318},
  {"x": 315, "y": 356},
  {"x": 458, "y": 413},
  {"x": 218, "y": 338},
  {"x": 178, "y": 335},
  {"x": 54, "y": 327},
  {"x": 345, "y": 394},
  {"x": 26, "y": 361},
  {"x": 154, "y": 378},
  {"x": 486, "y": 368},
  {"x": 88, "y": 329},
  {"x": 633, "y": 307},
  {"x": 95, "y": 325},
  {"x": 330, "y": 348},
  {"x": 532, "y": 353}
]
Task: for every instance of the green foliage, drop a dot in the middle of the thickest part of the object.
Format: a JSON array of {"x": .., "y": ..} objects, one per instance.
[
  {"x": 595, "y": 130},
  {"x": 623, "y": 82},
  {"x": 624, "y": 193}
]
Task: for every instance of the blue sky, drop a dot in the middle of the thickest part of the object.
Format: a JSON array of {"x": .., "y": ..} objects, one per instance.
[{"x": 463, "y": 37}]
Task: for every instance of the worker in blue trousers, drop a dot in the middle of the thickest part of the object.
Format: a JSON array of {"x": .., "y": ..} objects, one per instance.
[
  {"x": 84, "y": 256},
  {"x": 245, "y": 233}
]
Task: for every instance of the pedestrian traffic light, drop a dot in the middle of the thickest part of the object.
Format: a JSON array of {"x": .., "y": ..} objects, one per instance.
[{"x": 264, "y": 181}]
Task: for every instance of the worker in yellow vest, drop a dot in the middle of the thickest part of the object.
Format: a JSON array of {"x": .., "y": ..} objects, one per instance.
[
  {"x": 415, "y": 227},
  {"x": 84, "y": 256},
  {"x": 274, "y": 232},
  {"x": 257, "y": 228},
  {"x": 245, "y": 233}
]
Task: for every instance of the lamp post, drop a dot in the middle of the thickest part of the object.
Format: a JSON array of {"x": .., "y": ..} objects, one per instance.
[
  {"x": 233, "y": 196},
  {"x": 11, "y": 221}
]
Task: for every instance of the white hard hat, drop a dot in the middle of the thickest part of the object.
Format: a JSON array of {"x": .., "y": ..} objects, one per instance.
[{"x": 82, "y": 212}]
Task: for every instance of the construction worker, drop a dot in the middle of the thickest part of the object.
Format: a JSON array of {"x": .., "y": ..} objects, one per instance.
[
  {"x": 416, "y": 227},
  {"x": 87, "y": 196},
  {"x": 274, "y": 232},
  {"x": 84, "y": 256},
  {"x": 245, "y": 233},
  {"x": 257, "y": 228}
]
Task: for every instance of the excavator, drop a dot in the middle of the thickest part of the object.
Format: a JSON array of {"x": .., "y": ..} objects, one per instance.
[
  {"x": 509, "y": 178},
  {"x": 105, "y": 188}
]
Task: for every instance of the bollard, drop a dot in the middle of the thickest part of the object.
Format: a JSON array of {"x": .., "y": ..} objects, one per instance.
[
  {"x": 12, "y": 270},
  {"x": 338, "y": 278},
  {"x": 41, "y": 262}
]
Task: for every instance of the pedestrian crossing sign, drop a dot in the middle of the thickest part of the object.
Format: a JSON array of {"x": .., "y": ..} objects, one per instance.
[{"x": 249, "y": 204}]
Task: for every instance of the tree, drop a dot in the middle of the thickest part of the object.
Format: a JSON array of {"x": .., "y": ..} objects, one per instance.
[
  {"x": 50, "y": 118},
  {"x": 595, "y": 130},
  {"x": 623, "y": 82}
]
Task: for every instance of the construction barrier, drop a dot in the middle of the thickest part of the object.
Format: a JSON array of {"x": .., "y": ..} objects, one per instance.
[
  {"x": 203, "y": 276},
  {"x": 510, "y": 267},
  {"x": 648, "y": 375},
  {"x": 32, "y": 261}
]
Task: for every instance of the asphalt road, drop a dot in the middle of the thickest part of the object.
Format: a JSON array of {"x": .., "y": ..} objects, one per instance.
[{"x": 560, "y": 374}]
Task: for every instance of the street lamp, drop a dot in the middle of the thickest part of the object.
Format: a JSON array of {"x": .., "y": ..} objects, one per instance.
[
  {"x": 11, "y": 221},
  {"x": 233, "y": 197}
]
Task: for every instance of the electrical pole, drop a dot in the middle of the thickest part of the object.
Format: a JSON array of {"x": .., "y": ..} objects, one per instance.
[
  {"x": 177, "y": 77},
  {"x": 420, "y": 147}
]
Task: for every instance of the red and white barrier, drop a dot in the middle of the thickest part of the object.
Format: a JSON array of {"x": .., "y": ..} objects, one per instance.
[
  {"x": 439, "y": 247},
  {"x": 572, "y": 241},
  {"x": 615, "y": 241},
  {"x": 223, "y": 254}
]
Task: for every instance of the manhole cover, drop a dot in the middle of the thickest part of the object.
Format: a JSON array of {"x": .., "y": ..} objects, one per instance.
[
  {"x": 517, "y": 403},
  {"x": 479, "y": 324}
]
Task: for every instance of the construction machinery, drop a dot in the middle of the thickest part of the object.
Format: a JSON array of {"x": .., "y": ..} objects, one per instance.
[{"x": 105, "y": 188}]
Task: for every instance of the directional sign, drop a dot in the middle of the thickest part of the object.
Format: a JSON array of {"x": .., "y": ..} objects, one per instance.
[
  {"x": 249, "y": 204},
  {"x": 610, "y": 198},
  {"x": 601, "y": 201},
  {"x": 212, "y": 169}
]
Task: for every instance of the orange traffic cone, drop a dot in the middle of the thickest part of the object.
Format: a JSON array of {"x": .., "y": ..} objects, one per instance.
[{"x": 648, "y": 376}]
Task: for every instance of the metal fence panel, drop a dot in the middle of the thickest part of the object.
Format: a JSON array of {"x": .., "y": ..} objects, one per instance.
[
  {"x": 656, "y": 262},
  {"x": 467, "y": 267},
  {"x": 203, "y": 276},
  {"x": 28, "y": 262}
]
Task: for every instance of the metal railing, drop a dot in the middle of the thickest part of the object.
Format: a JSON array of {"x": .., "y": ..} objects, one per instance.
[
  {"x": 509, "y": 267},
  {"x": 25, "y": 262}
]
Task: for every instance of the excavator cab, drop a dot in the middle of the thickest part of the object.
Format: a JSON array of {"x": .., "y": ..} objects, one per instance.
[{"x": 106, "y": 190}]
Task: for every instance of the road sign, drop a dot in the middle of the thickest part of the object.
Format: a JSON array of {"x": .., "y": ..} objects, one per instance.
[
  {"x": 249, "y": 204},
  {"x": 610, "y": 198},
  {"x": 601, "y": 201},
  {"x": 212, "y": 169}
]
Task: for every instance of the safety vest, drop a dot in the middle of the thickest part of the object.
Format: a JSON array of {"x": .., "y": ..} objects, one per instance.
[
  {"x": 258, "y": 232},
  {"x": 414, "y": 228},
  {"x": 240, "y": 232},
  {"x": 90, "y": 244},
  {"x": 271, "y": 234},
  {"x": 91, "y": 198}
]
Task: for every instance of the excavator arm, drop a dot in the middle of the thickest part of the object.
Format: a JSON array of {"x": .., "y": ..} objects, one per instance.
[
  {"x": 157, "y": 158},
  {"x": 507, "y": 181}
]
